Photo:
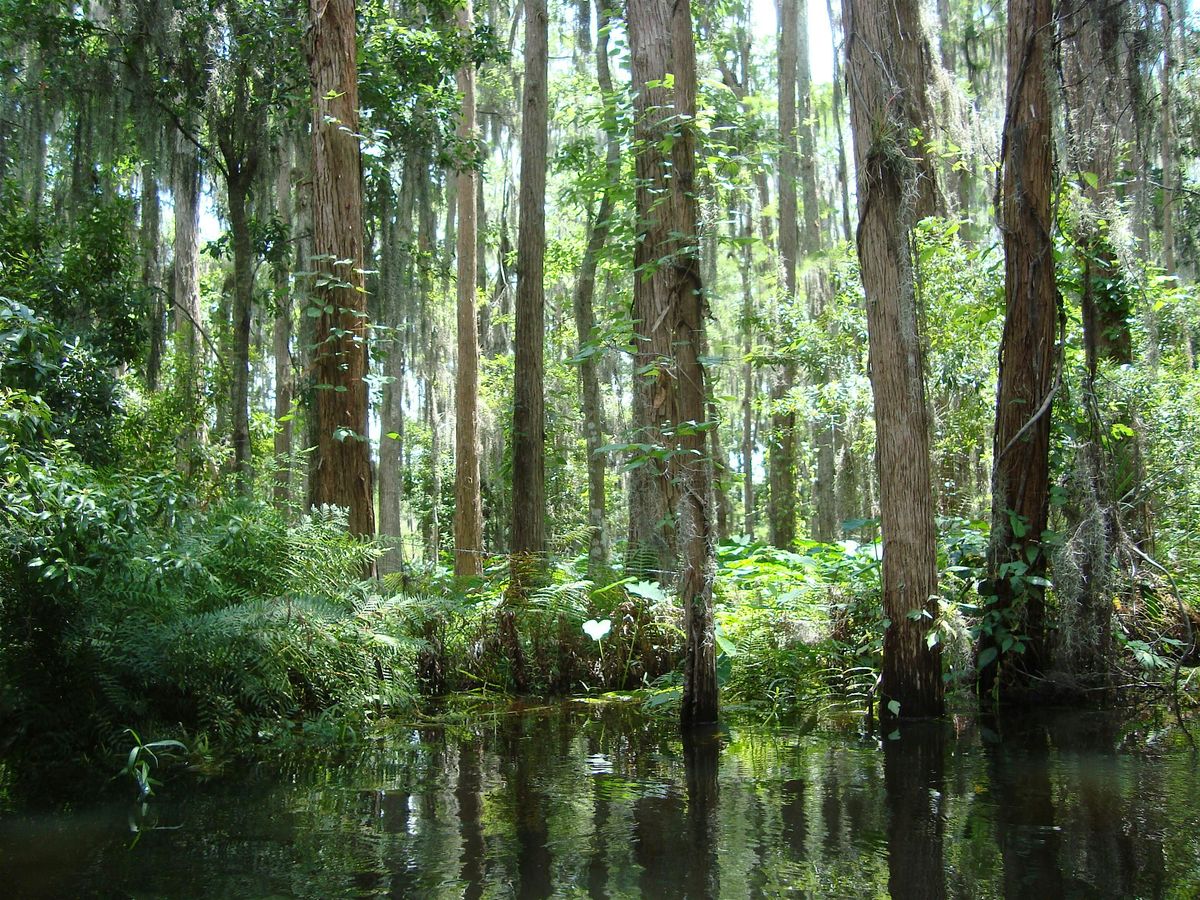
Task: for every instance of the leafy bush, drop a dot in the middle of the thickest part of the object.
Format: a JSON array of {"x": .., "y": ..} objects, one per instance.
[{"x": 124, "y": 603}]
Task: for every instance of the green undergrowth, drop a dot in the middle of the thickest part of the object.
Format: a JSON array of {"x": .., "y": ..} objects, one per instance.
[{"x": 133, "y": 599}]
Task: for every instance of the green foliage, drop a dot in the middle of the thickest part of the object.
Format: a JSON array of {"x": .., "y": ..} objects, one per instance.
[
  {"x": 143, "y": 758},
  {"x": 122, "y": 601},
  {"x": 69, "y": 315},
  {"x": 78, "y": 276},
  {"x": 802, "y": 624}
]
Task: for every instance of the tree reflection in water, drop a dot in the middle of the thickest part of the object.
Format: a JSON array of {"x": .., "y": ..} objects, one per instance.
[
  {"x": 600, "y": 800},
  {"x": 914, "y": 775}
]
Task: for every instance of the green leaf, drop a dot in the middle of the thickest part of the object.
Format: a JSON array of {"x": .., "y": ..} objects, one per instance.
[
  {"x": 166, "y": 745},
  {"x": 987, "y": 656},
  {"x": 1017, "y": 524},
  {"x": 727, "y": 646},
  {"x": 894, "y": 707}
]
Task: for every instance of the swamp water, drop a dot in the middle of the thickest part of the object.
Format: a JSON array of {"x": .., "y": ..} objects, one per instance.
[{"x": 596, "y": 800}]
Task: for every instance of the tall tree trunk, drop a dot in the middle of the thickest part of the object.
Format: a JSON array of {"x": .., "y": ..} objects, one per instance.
[
  {"x": 585, "y": 318},
  {"x": 843, "y": 170},
  {"x": 343, "y": 469},
  {"x": 748, "y": 379},
  {"x": 652, "y": 494},
  {"x": 282, "y": 335},
  {"x": 185, "y": 190},
  {"x": 238, "y": 186},
  {"x": 35, "y": 171},
  {"x": 306, "y": 300},
  {"x": 389, "y": 362},
  {"x": 825, "y": 427},
  {"x": 151, "y": 246},
  {"x": 468, "y": 506},
  {"x": 1021, "y": 449},
  {"x": 669, "y": 289},
  {"x": 529, "y": 420},
  {"x": 1168, "y": 139},
  {"x": 885, "y": 110},
  {"x": 722, "y": 507},
  {"x": 1143, "y": 114},
  {"x": 810, "y": 236},
  {"x": 1094, "y": 104},
  {"x": 433, "y": 420},
  {"x": 396, "y": 279},
  {"x": 782, "y": 458}
]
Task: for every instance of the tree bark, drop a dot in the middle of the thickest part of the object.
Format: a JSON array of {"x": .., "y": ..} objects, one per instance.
[
  {"x": 468, "y": 506},
  {"x": 781, "y": 460},
  {"x": 651, "y": 549},
  {"x": 397, "y": 279},
  {"x": 843, "y": 170},
  {"x": 1015, "y": 599},
  {"x": 585, "y": 318},
  {"x": 343, "y": 469},
  {"x": 722, "y": 507},
  {"x": 529, "y": 420},
  {"x": 240, "y": 176},
  {"x": 1168, "y": 139},
  {"x": 185, "y": 190},
  {"x": 825, "y": 426},
  {"x": 668, "y": 288},
  {"x": 883, "y": 115},
  {"x": 748, "y": 375},
  {"x": 282, "y": 335},
  {"x": 810, "y": 236},
  {"x": 151, "y": 246}
]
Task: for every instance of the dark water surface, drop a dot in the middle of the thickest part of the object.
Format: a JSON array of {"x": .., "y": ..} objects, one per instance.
[{"x": 596, "y": 800}]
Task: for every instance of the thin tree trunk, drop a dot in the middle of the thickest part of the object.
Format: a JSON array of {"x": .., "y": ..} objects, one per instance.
[
  {"x": 843, "y": 170},
  {"x": 390, "y": 410},
  {"x": 782, "y": 458},
  {"x": 433, "y": 420},
  {"x": 396, "y": 283},
  {"x": 343, "y": 468},
  {"x": 1094, "y": 104},
  {"x": 305, "y": 300},
  {"x": 748, "y": 379},
  {"x": 1021, "y": 450},
  {"x": 1168, "y": 139},
  {"x": 720, "y": 470},
  {"x": 282, "y": 336},
  {"x": 885, "y": 110},
  {"x": 468, "y": 506},
  {"x": 585, "y": 319},
  {"x": 825, "y": 427},
  {"x": 151, "y": 246},
  {"x": 810, "y": 236},
  {"x": 185, "y": 189},
  {"x": 238, "y": 184},
  {"x": 35, "y": 173}
]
